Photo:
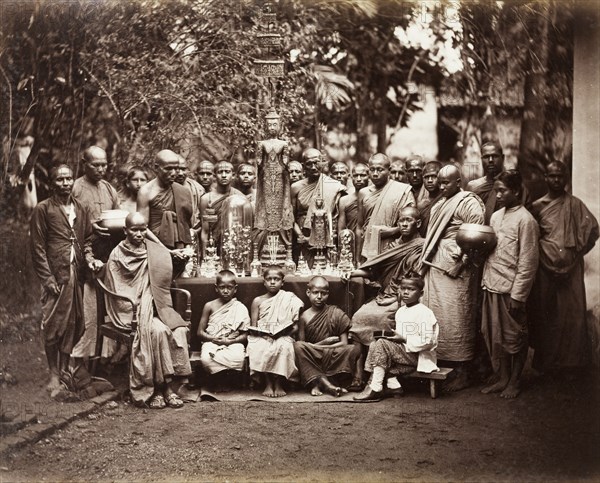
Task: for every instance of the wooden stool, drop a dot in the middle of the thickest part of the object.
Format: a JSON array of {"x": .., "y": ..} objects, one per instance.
[{"x": 433, "y": 378}]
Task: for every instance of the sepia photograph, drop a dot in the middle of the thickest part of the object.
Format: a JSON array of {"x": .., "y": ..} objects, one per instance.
[{"x": 299, "y": 240}]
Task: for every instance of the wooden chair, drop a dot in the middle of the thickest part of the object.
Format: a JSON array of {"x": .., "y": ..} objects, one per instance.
[{"x": 182, "y": 303}]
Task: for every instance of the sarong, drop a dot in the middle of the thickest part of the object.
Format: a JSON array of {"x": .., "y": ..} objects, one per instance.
[{"x": 392, "y": 356}]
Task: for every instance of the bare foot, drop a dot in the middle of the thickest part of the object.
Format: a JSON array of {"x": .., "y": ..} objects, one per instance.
[
  {"x": 492, "y": 379},
  {"x": 331, "y": 389},
  {"x": 54, "y": 383},
  {"x": 511, "y": 391},
  {"x": 340, "y": 391},
  {"x": 496, "y": 387},
  {"x": 269, "y": 389},
  {"x": 461, "y": 381},
  {"x": 278, "y": 391},
  {"x": 315, "y": 391}
]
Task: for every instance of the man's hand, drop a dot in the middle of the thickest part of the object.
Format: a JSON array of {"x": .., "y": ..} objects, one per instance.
[
  {"x": 100, "y": 231},
  {"x": 334, "y": 339},
  {"x": 396, "y": 337},
  {"x": 181, "y": 253},
  {"x": 52, "y": 288},
  {"x": 515, "y": 307},
  {"x": 95, "y": 266},
  {"x": 302, "y": 239}
]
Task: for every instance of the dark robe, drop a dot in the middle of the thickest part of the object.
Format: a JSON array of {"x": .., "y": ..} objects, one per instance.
[
  {"x": 557, "y": 304},
  {"x": 352, "y": 213},
  {"x": 316, "y": 361},
  {"x": 171, "y": 215}
]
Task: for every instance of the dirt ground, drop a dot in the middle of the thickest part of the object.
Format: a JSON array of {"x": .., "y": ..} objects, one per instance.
[{"x": 550, "y": 433}]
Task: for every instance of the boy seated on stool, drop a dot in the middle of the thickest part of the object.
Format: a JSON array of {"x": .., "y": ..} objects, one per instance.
[
  {"x": 271, "y": 346},
  {"x": 223, "y": 327},
  {"x": 411, "y": 347},
  {"x": 322, "y": 350}
]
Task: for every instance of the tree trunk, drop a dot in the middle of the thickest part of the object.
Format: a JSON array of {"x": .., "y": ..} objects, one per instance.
[{"x": 531, "y": 144}]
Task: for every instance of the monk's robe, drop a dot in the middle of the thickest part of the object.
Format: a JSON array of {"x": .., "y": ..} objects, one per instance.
[
  {"x": 160, "y": 346},
  {"x": 425, "y": 212},
  {"x": 329, "y": 189},
  {"x": 388, "y": 268},
  {"x": 95, "y": 198},
  {"x": 421, "y": 196},
  {"x": 216, "y": 201},
  {"x": 267, "y": 354},
  {"x": 351, "y": 212},
  {"x": 316, "y": 361},
  {"x": 196, "y": 191},
  {"x": 381, "y": 208},
  {"x": 508, "y": 274},
  {"x": 57, "y": 238},
  {"x": 227, "y": 321},
  {"x": 453, "y": 300},
  {"x": 557, "y": 303},
  {"x": 484, "y": 188},
  {"x": 171, "y": 215}
]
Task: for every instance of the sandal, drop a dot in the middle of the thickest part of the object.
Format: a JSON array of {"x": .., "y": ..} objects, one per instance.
[
  {"x": 157, "y": 402},
  {"x": 174, "y": 401}
]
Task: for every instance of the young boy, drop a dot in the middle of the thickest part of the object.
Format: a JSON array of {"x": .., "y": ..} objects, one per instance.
[
  {"x": 507, "y": 280},
  {"x": 223, "y": 327},
  {"x": 273, "y": 356},
  {"x": 411, "y": 347},
  {"x": 322, "y": 349}
]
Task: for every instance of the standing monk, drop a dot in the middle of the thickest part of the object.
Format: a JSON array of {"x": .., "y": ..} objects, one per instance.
[
  {"x": 305, "y": 193},
  {"x": 379, "y": 208},
  {"x": 246, "y": 176},
  {"x": 296, "y": 171},
  {"x": 205, "y": 174},
  {"x": 398, "y": 171},
  {"x": 95, "y": 194},
  {"x": 211, "y": 204},
  {"x": 58, "y": 228},
  {"x": 558, "y": 307},
  {"x": 414, "y": 173},
  {"x": 195, "y": 188},
  {"x": 166, "y": 205},
  {"x": 430, "y": 182},
  {"x": 348, "y": 205},
  {"x": 492, "y": 158},
  {"x": 340, "y": 172},
  {"x": 451, "y": 289}
]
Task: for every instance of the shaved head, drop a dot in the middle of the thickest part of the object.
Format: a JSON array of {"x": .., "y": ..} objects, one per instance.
[
  {"x": 410, "y": 211},
  {"x": 134, "y": 219},
  {"x": 318, "y": 282},
  {"x": 93, "y": 152},
  {"x": 450, "y": 171},
  {"x": 310, "y": 152},
  {"x": 557, "y": 165},
  {"x": 380, "y": 157},
  {"x": 167, "y": 156},
  {"x": 206, "y": 165}
]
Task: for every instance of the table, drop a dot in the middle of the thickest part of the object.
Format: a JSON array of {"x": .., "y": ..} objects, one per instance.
[{"x": 348, "y": 296}]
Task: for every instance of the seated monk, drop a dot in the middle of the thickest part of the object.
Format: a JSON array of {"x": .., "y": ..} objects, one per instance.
[
  {"x": 141, "y": 269},
  {"x": 388, "y": 268},
  {"x": 222, "y": 328},
  {"x": 166, "y": 205},
  {"x": 322, "y": 350},
  {"x": 273, "y": 355}
]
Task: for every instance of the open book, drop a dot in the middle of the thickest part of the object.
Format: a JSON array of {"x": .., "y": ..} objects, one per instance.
[{"x": 272, "y": 331}]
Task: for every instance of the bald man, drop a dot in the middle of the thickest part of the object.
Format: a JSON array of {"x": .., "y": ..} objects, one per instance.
[
  {"x": 322, "y": 350},
  {"x": 340, "y": 171},
  {"x": 305, "y": 193},
  {"x": 430, "y": 182},
  {"x": 95, "y": 194},
  {"x": 414, "y": 174},
  {"x": 195, "y": 188},
  {"x": 159, "y": 355},
  {"x": 348, "y": 205},
  {"x": 379, "y": 207},
  {"x": 165, "y": 204},
  {"x": 568, "y": 230},
  {"x": 398, "y": 171},
  {"x": 451, "y": 288},
  {"x": 205, "y": 174},
  {"x": 246, "y": 179},
  {"x": 212, "y": 203},
  {"x": 296, "y": 171}
]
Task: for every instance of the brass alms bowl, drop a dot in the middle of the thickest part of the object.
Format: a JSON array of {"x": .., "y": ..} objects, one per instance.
[
  {"x": 473, "y": 237},
  {"x": 114, "y": 220}
]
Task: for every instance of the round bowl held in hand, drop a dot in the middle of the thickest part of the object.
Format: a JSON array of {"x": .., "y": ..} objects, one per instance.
[
  {"x": 114, "y": 220},
  {"x": 472, "y": 237}
]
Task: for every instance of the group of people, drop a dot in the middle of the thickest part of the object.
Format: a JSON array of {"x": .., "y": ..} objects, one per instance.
[{"x": 433, "y": 302}]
